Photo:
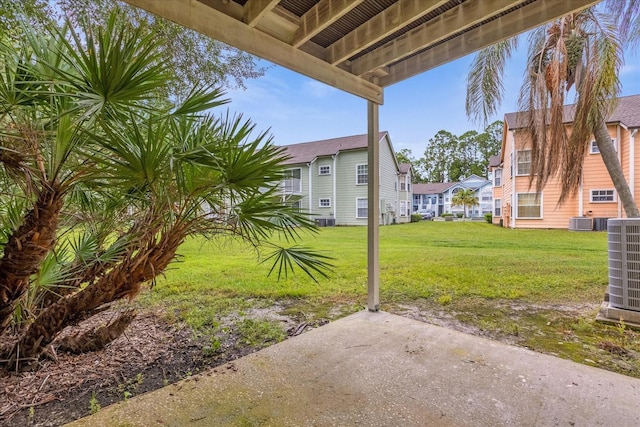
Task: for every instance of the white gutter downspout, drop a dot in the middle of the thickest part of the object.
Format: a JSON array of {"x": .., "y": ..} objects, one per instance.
[
  {"x": 335, "y": 198},
  {"x": 310, "y": 186},
  {"x": 581, "y": 197},
  {"x": 620, "y": 160},
  {"x": 632, "y": 165},
  {"x": 512, "y": 159}
]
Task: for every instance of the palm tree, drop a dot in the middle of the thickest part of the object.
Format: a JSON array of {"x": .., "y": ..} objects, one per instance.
[
  {"x": 89, "y": 151},
  {"x": 584, "y": 51},
  {"x": 466, "y": 198},
  {"x": 43, "y": 119}
]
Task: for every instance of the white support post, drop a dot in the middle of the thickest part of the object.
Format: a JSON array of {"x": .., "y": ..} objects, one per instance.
[{"x": 373, "y": 207}]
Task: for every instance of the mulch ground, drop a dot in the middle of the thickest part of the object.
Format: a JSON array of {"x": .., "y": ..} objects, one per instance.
[{"x": 151, "y": 354}]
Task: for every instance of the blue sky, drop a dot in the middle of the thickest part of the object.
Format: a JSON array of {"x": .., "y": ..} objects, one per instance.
[{"x": 299, "y": 109}]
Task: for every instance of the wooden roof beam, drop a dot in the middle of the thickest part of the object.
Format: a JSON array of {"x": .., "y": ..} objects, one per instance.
[
  {"x": 255, "y": 10},
  {"x": 380, "y": 26},
  {"x": 320, "y": 16},
  {"x": 216, "y": 24},
  {"x": 521, "y": 20},
  {"x": 445, "y": 25}
]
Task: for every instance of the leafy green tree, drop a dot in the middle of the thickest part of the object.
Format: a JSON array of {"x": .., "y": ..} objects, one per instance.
[
  {"x": 406, "y": 156},
  {"x": 584, "y": 51},
  {"x": 438, "y": 156},
  {"x": 466, "y": 198},
  {"x": 192, "y": 58},
  {"x": 450, "y": 158},
  {"x": 102, "y": 183}
]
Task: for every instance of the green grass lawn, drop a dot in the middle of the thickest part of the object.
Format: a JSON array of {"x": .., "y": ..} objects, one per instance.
[
  {"x": 511, "y": 284},
  {"x": 418, "y": 260}
]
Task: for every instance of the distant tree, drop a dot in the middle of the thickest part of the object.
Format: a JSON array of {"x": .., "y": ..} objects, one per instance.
[
  {"x": 450, "y": 158},
  {"x": 438, "y": 156},
  {"x": 406, "y": 156},
  {"x": 466, "y": 198}
]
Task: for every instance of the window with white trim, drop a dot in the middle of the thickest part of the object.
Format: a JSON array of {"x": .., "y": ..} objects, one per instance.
[
  {"x": 362, "y": 174},
  {"x": 594, "y": 149},
  {"x": 324, "y": 203},
  {"x": 497, "y": 178},
  {"x": 324, "y": 170},
  {"x": 602, "y": 196},
  {"x": 362, "y": 208},
  {"x": 523, "y": 159},
  {"x": 403, "y": 208},
  {"x": 529, "y": 205},
  {"x": 497, "y": 207}
]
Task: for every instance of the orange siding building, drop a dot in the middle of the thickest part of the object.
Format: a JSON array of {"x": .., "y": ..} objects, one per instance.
[{"x": 519, "y": 204}]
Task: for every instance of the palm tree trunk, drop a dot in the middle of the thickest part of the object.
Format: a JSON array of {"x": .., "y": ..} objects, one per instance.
[
  {"x": 124, "y": 280},
  {"x": 25, "y": 250},
  {"x": 611, "y": 162}
]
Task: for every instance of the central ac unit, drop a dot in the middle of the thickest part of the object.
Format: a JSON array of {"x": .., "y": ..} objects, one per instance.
[
  {"x": 624, "y": 263},
  {"x": 580, "y": 223}
]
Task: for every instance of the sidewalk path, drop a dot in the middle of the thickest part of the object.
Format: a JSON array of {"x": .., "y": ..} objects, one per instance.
[{"x": 378, "y": 369}]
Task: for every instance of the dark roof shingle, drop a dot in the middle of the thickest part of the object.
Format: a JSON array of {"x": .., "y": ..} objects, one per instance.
[
  {"x": 627, "y": 112},
  {"x": 432, "y": 187},
  {"x": 305, "y": 152}
]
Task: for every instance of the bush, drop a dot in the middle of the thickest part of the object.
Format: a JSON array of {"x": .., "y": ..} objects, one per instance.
[
  {"x": 446, "y": 214},
  {"x": 459, "y": 215},
  {"x": 416, "y": 217},
  {"x": 489, "y": 218}
]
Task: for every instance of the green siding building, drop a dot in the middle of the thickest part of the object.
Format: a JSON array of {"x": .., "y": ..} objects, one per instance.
[{"x": 330, "y": 177}]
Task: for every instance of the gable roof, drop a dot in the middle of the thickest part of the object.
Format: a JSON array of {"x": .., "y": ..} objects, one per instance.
[
  {"x": 306, "y": 152},
  {"x": 627, "y": 112},
  {"x": 494, "y": 161},
  {"x": 432, "y": 187},
  {"x": 441, "y": 187},
  {"x": 404, "y": 167}
]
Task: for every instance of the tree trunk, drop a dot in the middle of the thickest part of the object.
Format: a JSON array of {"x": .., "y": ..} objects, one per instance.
[
  {"x": 610, "y": 159},
  {"x": 123, "y": 280},
  {"x": 97, "y": 338},
  {"x": 25, "y": 250}
]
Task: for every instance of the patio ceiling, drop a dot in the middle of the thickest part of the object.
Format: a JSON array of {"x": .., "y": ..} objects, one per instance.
[{"x": 360, "y": 46}]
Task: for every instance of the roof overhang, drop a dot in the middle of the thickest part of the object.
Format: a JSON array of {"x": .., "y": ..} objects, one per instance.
[{"x": 360, "y": 46}]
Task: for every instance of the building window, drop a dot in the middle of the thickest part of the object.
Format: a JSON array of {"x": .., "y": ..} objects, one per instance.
[
  {"x": 324, "y": 170},
  {"x": 362, "y": 174},
  {"x": 602, "y": 196},
  {"x": 324, "y": 203},
  {"x": 292, "y": 182},
  {"x": 593, "y": 146},
  {"x": 524, "y": 162},
  {"x": 362, "y": 208},
  {"x": 403, "y": 185},
  {"x": 497, "y": 178},
  {"x": 529, "y": 205},
  {"x": 403, "y": 208},
  {"x": 497, "y": 207}
]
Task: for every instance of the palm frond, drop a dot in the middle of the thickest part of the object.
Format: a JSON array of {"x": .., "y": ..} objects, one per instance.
[
  {"x": 485, "y": 86},
  {"x": 286, "y": 260}
]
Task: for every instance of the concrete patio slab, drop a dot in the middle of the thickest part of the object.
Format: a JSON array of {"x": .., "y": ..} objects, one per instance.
[{"x": 378, "y": 369}]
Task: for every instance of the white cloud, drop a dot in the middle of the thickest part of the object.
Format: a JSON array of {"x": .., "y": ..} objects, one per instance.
[
  {"x": 629, "y": 69},
  {"x": 317, "y": 89}
]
